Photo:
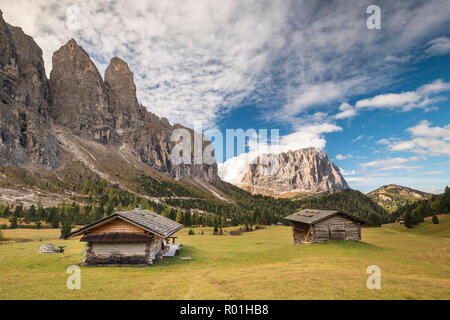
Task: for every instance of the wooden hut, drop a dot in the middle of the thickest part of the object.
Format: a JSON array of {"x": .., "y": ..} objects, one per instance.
[
  {"x": 314, "y": 226},
  {"x": 129, "y": 237}
]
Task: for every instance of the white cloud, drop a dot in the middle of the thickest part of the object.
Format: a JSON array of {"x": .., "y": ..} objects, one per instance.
[
  {"x": 354, "y": 179},
  {"x": 390, "y": 100},
  {"x": 423, "y": 97},
  {"x": 346, "y": 111},
  {"x": 343, "y": 157},
  {"x": 426, "y": 140},
  {"x": 348, "y": 173},
  {"x": 437, "y": 86},
  {"x": 439, "y": 46},
  {"x": 388, "y": 164}
]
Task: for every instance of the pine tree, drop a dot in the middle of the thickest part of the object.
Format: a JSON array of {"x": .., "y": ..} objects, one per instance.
[
  {"x": 13, "y": 221},
  {"x": 408, "y": 220},
  {"x": 179, "y": 217},
  {"x": 435, "y": 219},
  {"x": 66, "y": 228}
]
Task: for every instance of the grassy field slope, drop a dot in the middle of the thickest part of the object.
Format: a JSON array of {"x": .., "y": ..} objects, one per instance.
[
  {"x": 415, "y": 264},
  {"x": 426, "y": 228}
]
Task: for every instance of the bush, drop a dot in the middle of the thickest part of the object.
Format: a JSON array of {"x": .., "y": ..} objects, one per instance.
[
  {"x": 191, "y": 232},
  {"x": 435, "y": 219},
  {"x": 1, "y": 234}
]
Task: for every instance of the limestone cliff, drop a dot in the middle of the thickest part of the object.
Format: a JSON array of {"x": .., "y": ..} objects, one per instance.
[{"x": 301, "y": 171}]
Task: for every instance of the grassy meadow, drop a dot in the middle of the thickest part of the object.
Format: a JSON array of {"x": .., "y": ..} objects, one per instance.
[{"x": 264, "y": 264}]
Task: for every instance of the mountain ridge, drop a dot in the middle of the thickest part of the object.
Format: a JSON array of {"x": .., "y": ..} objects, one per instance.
[
  {"x": 393, "y": 196},
  {"x": 289, "y": 173}
]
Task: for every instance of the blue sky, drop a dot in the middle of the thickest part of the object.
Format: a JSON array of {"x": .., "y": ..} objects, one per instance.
[{"x": 376, "y": 101}]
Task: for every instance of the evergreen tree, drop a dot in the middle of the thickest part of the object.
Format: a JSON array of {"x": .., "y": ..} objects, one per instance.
[
  {"x": 13, "y": 222},
  {"x": 66, "y": 228},
  {"x": 179, "y": 218},
  {"x": 435, "y": 219},
  {"x": 55, "y": 221},
  {"x": 408, "y": 220},
  {"x": 1, "y": 234}
]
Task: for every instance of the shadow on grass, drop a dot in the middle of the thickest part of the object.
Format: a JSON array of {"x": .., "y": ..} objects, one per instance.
[{"x": 351, "y": 245}]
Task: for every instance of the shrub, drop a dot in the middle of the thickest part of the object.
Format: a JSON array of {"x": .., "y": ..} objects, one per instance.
[
  {"x": 1, "y": 234},
  {"x": 191, "y": 232}
]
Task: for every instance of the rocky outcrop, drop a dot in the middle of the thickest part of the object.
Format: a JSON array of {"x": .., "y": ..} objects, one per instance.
[
  {"x": 121, "y": 92},
  {"x": 293, "y": 172},
  {"x": 78, "y": 99},
  {"x": 25, "y": 128}
]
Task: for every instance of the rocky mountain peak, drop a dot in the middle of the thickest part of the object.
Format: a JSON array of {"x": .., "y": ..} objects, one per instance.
[
  {"x": 78, "y": 99},
  {"x": 293, "y": 172},
  {"x": 83, "y": 107},
  {"x": 25, "y": 128},
  {"x": 121, "y": 91}
]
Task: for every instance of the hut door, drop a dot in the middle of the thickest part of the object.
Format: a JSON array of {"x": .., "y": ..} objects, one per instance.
[{"x": 337, "y": 231}]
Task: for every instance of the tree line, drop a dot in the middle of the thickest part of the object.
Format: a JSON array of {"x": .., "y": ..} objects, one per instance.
[{"x": 415, "y": 213}]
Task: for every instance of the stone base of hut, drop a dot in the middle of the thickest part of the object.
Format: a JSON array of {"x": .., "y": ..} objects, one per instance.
[{"x": 126, "y": 253}]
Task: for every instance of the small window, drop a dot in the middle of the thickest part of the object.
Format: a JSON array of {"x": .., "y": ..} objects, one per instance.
[{"x": 337, "y": 231}]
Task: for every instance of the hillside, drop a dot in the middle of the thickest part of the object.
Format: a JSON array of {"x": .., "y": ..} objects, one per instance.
[
  {"x": 426, "y": 228},
  {"x": 392, "y": 197}
]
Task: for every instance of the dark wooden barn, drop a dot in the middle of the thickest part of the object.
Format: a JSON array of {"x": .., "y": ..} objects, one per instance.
[
  {"x": 129, "y": 237},
  {"x": 315, "y": 226}
]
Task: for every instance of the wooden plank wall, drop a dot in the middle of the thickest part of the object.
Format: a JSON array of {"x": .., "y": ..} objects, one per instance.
[
  {"x": 117, "y": 225},
  {"x": 321, "y": 230}
]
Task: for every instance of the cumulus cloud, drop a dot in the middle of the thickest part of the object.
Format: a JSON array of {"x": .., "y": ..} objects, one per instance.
[
  {"x": 346, "y": 111},
  {"x": 388, "y": 164},
  {"x": 422, "y": 98},
  {"x": 390, "y": 100},
  {"x": 343, "y": 157},
  {"x": 426, "y": 140},
  {"x": 346, "y": 173}
]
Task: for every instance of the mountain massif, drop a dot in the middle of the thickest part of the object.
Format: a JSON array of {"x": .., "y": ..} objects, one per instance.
[
  {"x": 305, "y": 171},
  {"x": 393, "y": 196},
  {"x": 40, "y": 117},
  {"x": 79, "y": 146}
]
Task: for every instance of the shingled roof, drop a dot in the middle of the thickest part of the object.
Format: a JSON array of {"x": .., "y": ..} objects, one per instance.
[
  {"x": 311, "y": 216},
  {"x": 145, "y": 219}
]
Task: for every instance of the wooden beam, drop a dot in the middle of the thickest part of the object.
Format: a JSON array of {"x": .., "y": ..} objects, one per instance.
[{"x": 308, "y": 234}]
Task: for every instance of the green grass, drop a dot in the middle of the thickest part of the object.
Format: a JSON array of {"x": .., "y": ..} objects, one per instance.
[
  {"x": 427, "y": 228},
  {"x": 259, "y": 265}
]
